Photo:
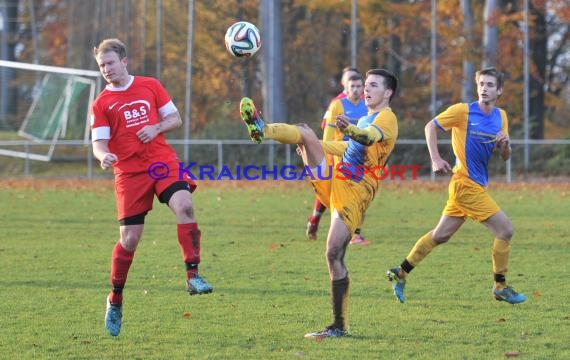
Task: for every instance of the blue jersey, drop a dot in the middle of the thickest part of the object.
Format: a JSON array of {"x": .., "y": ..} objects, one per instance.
[
  {"x": 473, "y": 135},
  {"x": 354, "y": 183},
  {"x": 342, "y": 107},
  {"x": 358, "y": 155},
  {"x": 353, "y": 111}
]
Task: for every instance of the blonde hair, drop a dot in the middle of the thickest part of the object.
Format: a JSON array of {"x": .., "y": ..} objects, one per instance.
[{"x": 108, "y": 45}]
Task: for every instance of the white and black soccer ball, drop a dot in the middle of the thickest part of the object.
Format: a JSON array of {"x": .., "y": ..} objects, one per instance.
[{"x": 243, "y": 39}]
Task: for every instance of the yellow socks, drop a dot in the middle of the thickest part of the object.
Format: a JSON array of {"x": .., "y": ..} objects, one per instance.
[
  {"x": 423, "y": 247},
  {"x": 501, "y": 251},
  {"x": 284, "y": 133}
]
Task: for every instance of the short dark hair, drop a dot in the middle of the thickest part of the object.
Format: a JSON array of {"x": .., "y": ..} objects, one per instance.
[
  {"x": 111, "y": 45},
  {"x": 390, "y": 80},
  {"x": 491, "y": 71}
]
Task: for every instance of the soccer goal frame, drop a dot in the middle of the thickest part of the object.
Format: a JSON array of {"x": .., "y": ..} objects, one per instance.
[{"x": 61, "y": 100}]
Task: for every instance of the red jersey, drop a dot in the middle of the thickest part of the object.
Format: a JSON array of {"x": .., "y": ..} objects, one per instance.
[{"x": 118, "y": 113}]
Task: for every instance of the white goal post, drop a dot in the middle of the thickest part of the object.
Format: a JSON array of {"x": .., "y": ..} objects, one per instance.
[{"x": 58, "y": 102}]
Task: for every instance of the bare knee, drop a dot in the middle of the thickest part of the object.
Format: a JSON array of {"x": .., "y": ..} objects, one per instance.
[
  {"x": 307, "y": 132},
  {"x": 130, "y": 240},
  {"x": 440, "y": 236},
  {"x": 441, "y": 239},
  {"x": 184, "y": 211},
  {"x": 500, "y": 226},
  {"x": 333, "y": 254},
  {"x": 445, "y": 229},
  {"x": 506, "y": 232}
]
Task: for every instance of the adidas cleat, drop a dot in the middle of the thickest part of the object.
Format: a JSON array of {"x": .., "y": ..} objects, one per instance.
[{"x": 250, "y": 117}]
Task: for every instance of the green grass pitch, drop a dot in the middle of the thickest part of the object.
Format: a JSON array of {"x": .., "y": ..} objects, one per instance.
[{"x": 271, "y": 284}]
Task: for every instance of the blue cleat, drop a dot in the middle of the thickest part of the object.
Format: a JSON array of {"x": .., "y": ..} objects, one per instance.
[
  {"x": 509, "y": 295},
  {"x": 252, "y": 120},
  {"x": 113, "y": 318},
  {"x": 197, "y": 286},
  {"x": 329, "y": 331},
  {"x": 398, "y": 284}
]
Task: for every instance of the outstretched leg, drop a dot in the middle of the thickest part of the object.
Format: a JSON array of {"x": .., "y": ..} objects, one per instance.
[{"x": 300, "y": 134}]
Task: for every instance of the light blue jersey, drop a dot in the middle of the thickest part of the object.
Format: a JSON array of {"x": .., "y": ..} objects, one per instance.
[{"x": 355, "y": 153}]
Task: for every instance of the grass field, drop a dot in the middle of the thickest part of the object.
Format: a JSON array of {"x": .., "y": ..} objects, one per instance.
[{"x": 271, "y": 284}]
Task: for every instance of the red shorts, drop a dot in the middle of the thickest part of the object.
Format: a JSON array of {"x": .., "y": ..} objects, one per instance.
[{"x": 135, "y": 192}]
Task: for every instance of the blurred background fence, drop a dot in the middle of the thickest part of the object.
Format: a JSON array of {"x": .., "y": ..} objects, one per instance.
[
  {"x": 48, "y": 77},
  {"x": 73, "y": 159}
]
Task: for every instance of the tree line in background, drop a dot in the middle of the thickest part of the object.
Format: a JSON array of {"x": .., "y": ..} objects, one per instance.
[{"x": 394, "y": 34}]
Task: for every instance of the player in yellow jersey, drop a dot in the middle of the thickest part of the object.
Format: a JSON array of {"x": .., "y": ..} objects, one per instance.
[
  {"x": 351, "y": 103},
  {"x": 478, "y": 129},
  {"x": 354, "y": 107},
  {"x": 347, "y": 189}
]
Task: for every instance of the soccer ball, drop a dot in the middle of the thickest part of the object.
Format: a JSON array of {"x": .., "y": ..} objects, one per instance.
[{"x": 243, "y": 39}]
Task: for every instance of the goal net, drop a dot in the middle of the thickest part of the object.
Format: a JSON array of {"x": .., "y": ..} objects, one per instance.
[{"x": 51, "y": 104}]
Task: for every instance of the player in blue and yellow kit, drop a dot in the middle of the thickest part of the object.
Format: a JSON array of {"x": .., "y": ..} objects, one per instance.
[
  {"x": 345, "y": 189},
  {"x": 354, "y": 107},
  {"x": 331, "y": 132},
  {"x": 478, "y": 130}
]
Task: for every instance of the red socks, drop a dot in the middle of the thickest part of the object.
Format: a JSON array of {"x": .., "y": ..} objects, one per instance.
[
  {"x": 121, "y": 261},
  {"x": 189, "y": 239}
]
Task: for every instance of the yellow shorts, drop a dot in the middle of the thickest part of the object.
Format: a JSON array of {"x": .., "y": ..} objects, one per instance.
[
  {"x": 350, "y": 199},
  {"x": 469, "y": 199}
]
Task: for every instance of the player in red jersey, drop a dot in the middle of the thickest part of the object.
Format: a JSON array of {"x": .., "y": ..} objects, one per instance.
[
  {"x": 318, "y": 207},
  {"x": 129, "y": 118}
]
